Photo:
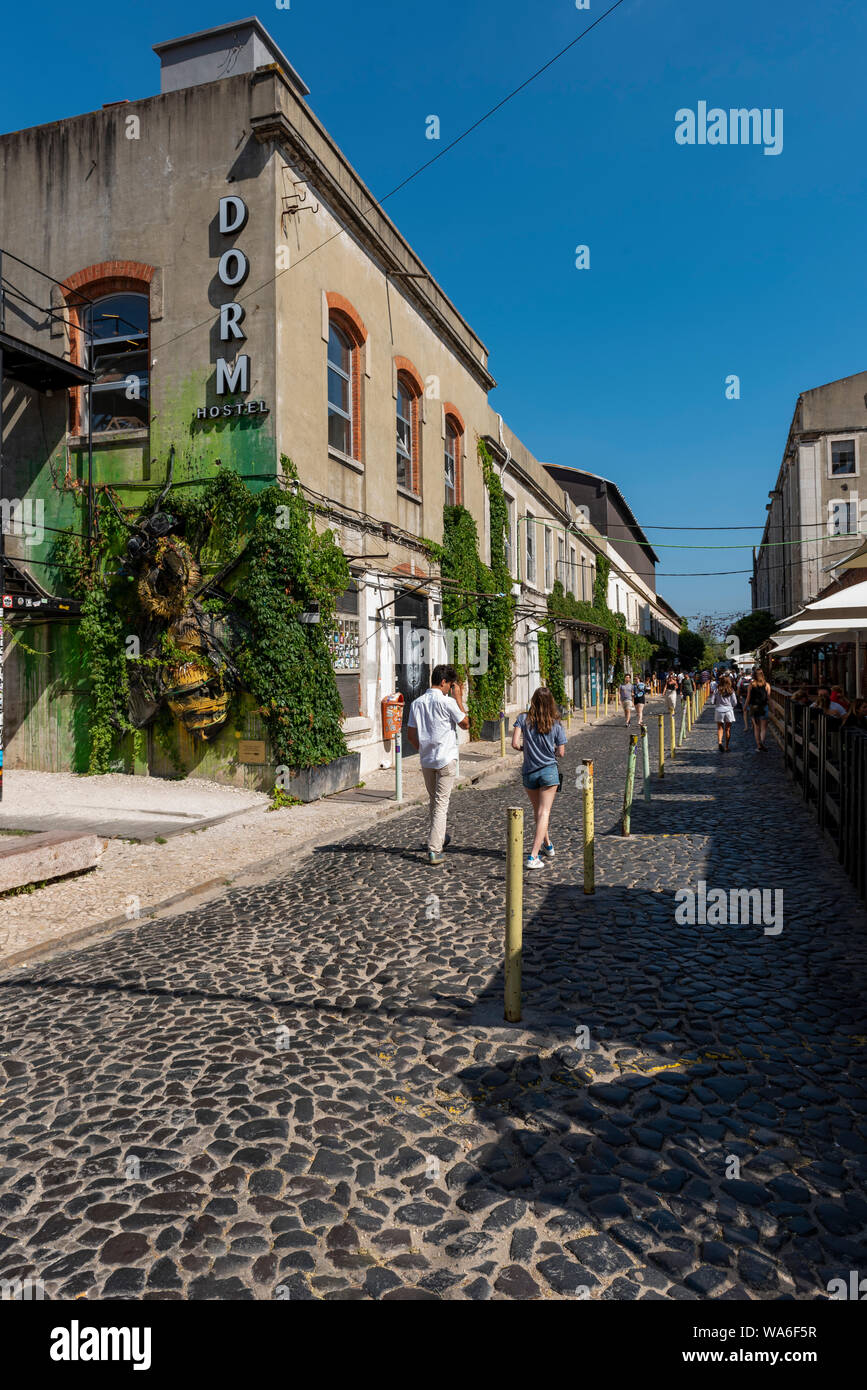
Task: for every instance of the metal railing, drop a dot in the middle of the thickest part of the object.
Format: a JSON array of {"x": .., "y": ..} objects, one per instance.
[{"x": 828, "y": 764}]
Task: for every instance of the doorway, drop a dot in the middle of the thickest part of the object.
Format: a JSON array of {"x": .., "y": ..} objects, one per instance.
[{"x": 412, "y": 670}]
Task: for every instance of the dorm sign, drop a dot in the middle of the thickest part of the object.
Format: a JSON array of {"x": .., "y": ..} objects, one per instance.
[{"x": 233, "y": 377}]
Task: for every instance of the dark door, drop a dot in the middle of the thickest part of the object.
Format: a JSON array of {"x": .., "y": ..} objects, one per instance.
[
  {"x": 576, "y": 673},
  {"x": 412, "y": 672}
]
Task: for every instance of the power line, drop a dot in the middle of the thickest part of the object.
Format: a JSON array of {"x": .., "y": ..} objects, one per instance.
[{"x": 377, "y": 203}]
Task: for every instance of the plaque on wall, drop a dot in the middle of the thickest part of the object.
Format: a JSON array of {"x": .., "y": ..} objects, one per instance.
[{"x": 251, "y": 750}]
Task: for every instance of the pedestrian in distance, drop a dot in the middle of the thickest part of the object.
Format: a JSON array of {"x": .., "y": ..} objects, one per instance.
[
  {"x": 431, "y": 728},
  {"x": 627, "y": 693},
  {"x": 543, "y": 739},
  {"x": 687, "y": 687},
  {"x": 725, "y": 703},
  {"x": 670, "y": 692},
  {"x": 639, "y": 696},
  {"x": 758, "y": 696}
]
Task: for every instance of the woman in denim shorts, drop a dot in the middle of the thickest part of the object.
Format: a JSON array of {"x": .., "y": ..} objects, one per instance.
[{"x": 543, "y": 739}]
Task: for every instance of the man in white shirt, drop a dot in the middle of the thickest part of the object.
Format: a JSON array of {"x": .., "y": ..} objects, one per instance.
[{"x": 433, "y": 719}]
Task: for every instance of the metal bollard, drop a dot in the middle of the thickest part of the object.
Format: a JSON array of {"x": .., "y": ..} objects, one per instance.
[
  {"x": 661, "y": 718},
  {"x": 502, "y": 733},
  {"x": 671, "y": 732},
  {"x": 584, "y": 708},
  {"x": 569, "y": 716},
  {"x": 514, "y": 913},
  {"x": 630, "y": 785},
  {"x": 589, "y": 829},
  {"x": 682, "y": 722},
  {"x": 645, "y": 761},
  {"x": 597, "y": 703},
  {"x": 398, "y": 771}
]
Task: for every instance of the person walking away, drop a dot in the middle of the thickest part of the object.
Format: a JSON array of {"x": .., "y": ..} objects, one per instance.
[
  {"x": 543, "y": 739},
  {"x": 433, "y": 719},
  {"x": 758, "y": 697},
  {"x": 626, "y": 698},
  {"x": 724, "y": 702},
  {"x": 639, "y": 696},
  {"x": 687, "y": 688}
]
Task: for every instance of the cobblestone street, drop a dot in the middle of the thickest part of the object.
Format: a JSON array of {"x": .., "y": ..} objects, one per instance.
[{"x": 306, "y": 1090}]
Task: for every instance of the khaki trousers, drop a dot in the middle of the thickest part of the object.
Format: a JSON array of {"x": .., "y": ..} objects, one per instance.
[{"x": 439, "y": 782}]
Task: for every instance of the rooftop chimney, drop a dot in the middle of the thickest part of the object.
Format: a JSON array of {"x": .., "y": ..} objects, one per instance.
[{"x": 224, "y": 51}]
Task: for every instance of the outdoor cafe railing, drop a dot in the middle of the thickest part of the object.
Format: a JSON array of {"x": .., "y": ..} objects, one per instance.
[{"x": 829, "y": 767}]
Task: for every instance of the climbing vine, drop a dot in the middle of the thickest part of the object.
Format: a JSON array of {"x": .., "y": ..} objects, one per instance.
[
  {"x": 619, "y": 641},
  {"x": 285, "y": 663},
  {"x": 477, "y": 598},
  {"x": 276, "y": 567}
]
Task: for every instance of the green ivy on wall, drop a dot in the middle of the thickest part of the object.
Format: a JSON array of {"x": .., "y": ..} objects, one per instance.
[
  {"x": 478, "y": 597},
  {"x": 286, "y": 664},
  {"x": 286, "y": 568},
  {"x": 619, "y": 641}
]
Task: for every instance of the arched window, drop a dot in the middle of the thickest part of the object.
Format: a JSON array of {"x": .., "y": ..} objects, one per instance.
[
  {"x": 453, "y": 450},
  {"x": 116, "y": 346},
  {"x": 408, "y": 433},
  {"x": 346, "y": 337},
  {"x": 340, "y": 389}
]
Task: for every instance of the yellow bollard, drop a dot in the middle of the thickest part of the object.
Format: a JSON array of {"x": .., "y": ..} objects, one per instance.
[
  {"x": 589, "y": 828},
  {"x": 502, "y": 734},
  {"x": 606, "y": 702},
  {"x": 597, "y": 702},
  {"x": 569, "y": 716},
  {"x": 661, "y": 718},
  {"x": 584, "y": 708},
  {"x": 514, "y": 912},
  {"x": 671, "y": 731}
]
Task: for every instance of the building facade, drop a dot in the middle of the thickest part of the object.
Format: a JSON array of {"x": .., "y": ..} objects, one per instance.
[
  {"x": 817, "y": 507},
  {"x": 236, "y": 296}
]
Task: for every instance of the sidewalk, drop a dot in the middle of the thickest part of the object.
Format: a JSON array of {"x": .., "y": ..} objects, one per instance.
[{"x": 212, "y": 836}]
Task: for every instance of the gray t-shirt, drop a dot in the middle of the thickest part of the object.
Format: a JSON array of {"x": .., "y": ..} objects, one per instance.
[{"x": 539, "y": 748}]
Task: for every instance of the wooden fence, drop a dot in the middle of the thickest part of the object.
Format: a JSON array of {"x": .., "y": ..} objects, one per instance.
[{"x": 830, "y": 768}]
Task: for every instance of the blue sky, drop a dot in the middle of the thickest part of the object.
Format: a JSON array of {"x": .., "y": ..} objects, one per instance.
[{"x": 705, "y": 261}]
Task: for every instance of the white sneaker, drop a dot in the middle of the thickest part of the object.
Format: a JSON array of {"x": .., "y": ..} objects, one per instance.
[
  {"x": 534, "y": 863},
  {"x": 548, "y": 850}
]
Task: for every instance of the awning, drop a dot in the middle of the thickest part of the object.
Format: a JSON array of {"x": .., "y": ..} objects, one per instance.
[
  {"x": 856, "y": 561},
  {"x": 786, "y": 644},
  {"x": 42, "y": 371},
  {"x": 808, "y": 621},
  {"x": 831, "y": 631},
  {"x": 850, "y": 604}
]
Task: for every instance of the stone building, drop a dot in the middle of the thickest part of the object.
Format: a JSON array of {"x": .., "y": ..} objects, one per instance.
[
  {"x": 817, "y": 506},
  {"x": 233, "y": 293}
]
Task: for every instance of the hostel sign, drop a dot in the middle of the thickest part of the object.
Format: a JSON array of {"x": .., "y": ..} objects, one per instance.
[{"x": 233, "y": 378}]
